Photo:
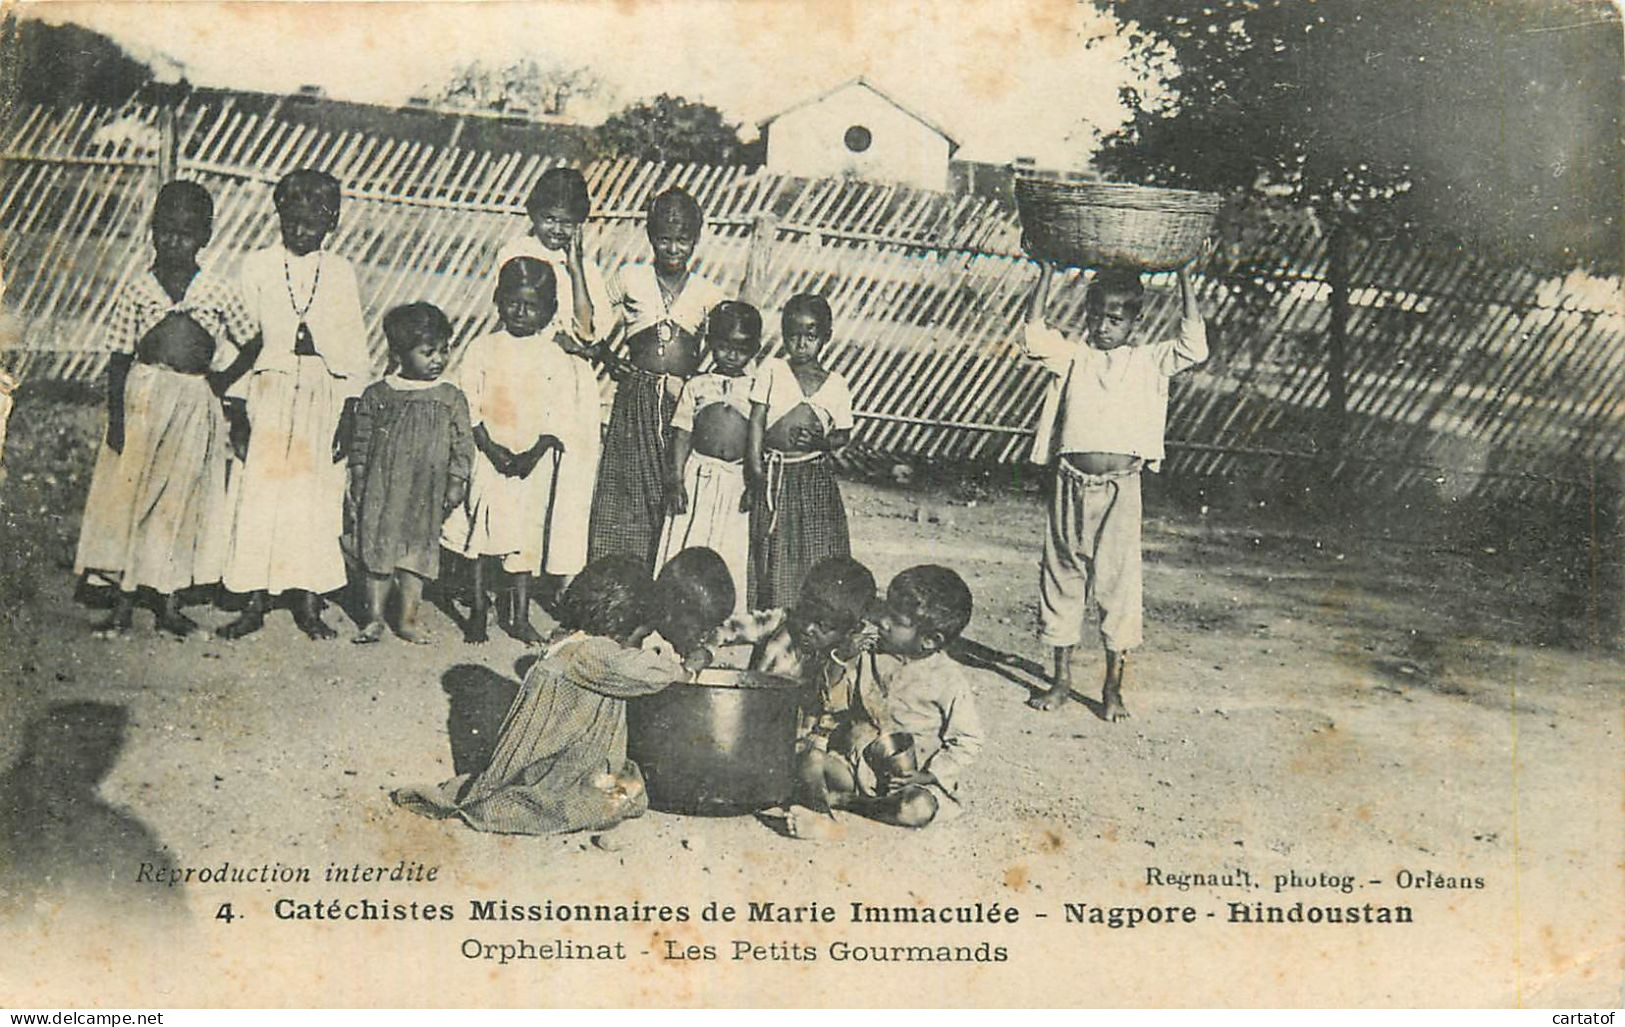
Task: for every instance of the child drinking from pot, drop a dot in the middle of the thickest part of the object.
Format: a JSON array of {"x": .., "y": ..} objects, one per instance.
[
  {"x": 527, "y": 399},
  {"x": 297, "y": 402},
  {"x": 663, "y": 307},
  {"x": 1102, "y": 425},
  {"x": 705, "y": 484},
  {"x": 411, "y": 455},
  {"x": 801, "y": 412},
  {"x": 156, "y": 517},
  {"x": 560, "y": 760},
  {"x": 900, "y": 747}
]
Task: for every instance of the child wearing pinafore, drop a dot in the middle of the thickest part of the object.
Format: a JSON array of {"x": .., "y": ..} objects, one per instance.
[
  {"x": 156, "y": 517},
  {"x": 801, "y": 412},
  {"x": 705, "y": 486},
  {"x": 297, "y": 399},
  {"x": 411, "y": 454},
  {"x": 663, "y": 307},
  {"x": 534, "y": 410}
]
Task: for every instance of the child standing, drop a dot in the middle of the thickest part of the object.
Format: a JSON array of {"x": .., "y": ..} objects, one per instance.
[
  {"x": 801, "y": 412},
  {"x": 410, "y": 458},
  {"x": 557, "y": 207},
  {"x": 527, "y": 398},
  {"x": 156, "y": 516},
  {"x": 705, "y": 484},
  {"x": 663, "y": 307},
  {"x": 298, "y": 398},
  {"x": 560, "y": 761},
  {"x": 908, "y": 690},
  {"x": 1102, "y": 424}
]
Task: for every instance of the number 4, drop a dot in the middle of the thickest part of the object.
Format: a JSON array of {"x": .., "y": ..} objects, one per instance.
[{"x": 225, "y": 913}]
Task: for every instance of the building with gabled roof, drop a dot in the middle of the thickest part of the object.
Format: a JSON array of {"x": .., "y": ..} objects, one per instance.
[{"x": 857, "y": 130}]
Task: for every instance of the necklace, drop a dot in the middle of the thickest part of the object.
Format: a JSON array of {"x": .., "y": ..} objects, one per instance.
[{"x": 304, "y": 345}]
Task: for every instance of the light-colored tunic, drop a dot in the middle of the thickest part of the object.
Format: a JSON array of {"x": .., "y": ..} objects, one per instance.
[
  {"x": 157, "y": 516},
  {"x": 638, "y": 296},
  {"x": 776, "y": 386},
  {"x": 521, "y": 389},
  {"x": 290, "y": 499}
]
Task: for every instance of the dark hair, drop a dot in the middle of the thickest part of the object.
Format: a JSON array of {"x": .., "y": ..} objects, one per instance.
[
  {"x": 692, "y": 595},
  {"x": 307, "y": 185},
  {"x": 406, "y": 325},
  {"x": 813, "y": 305},
  {"x": 562, "y": 187},
  {"x": 729, "y": 315},
  {"x": 677, "y": 208},
  {"x": 935, "y": 597},
  {"x": 188, "y": 199},
  {"x": 528, "y": 271},
  {"x": 607, "y": 598},
  {"x": 837, "y": 592},
  {"x": 1115, "y": 281}
]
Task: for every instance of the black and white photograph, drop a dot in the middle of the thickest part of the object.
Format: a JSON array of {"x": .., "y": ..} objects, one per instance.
[{"x": 727, "y": 503}]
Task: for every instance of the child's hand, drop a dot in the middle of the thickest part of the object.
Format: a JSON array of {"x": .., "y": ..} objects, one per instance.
[
  {"x": 575, "y": 250},
  {"x": 341, "y": 434},
  {"x": 676, "y": 498},
  {"x": 697, "y": 659},
  {"x": 456, "y": 494},
  {"x": 919, "y": 779},
  {"x": 570, "y": 344},
  {"x": 237, "y": 427},
  {"x": 115, "y": 434},
  {"x": 805, "y": 438},
  {"x": 748, "y": 499}
]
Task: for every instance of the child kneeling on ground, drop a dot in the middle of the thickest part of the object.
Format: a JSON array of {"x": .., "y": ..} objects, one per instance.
[{"x": 910, "y": 729}]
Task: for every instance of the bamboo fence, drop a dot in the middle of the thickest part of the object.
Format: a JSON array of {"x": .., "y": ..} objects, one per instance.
[{"x": 1460, "y": 373}]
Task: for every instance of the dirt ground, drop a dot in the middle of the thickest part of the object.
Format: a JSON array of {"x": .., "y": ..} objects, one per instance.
[{"x": 1318, "y": 694}]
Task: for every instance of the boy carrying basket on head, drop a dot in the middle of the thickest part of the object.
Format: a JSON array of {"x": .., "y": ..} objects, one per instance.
[{"x": 1102, "y": 424}]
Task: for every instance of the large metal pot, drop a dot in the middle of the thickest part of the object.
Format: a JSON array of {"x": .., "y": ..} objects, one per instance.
[{"x": 722, "y": 745}]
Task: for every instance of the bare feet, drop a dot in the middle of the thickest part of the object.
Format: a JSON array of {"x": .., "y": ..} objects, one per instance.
[
  {"x": 522, "y": 629},
  {"x": 415, "y": 635},
  {"x": 307, "y": 614},
  {"x": 475, "y": 631},
  {"x": 1052, "y": 698},
  {"x": 176, "y": 623},
  {"x": 113, "y": 627},
  {"x": 372, "y": 632},
  {"x": 1111, "y": 707},
  {"x": 251, "y": 620},
  {"x": 801, "y": 822},
  {"x": 1111, "y": 694}
]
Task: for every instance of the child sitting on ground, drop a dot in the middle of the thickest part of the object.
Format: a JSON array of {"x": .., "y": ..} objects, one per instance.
[
  {"x": 1102, "y": 424},
  {"x": 705, "y": 485},
  {"x": 411, "y": 455},
  {"x": 156, "y": 517},
  {"x": 560, "y": 760},
  {"x": 663, "y": 307},
  {"x": 900, "y": 749}
]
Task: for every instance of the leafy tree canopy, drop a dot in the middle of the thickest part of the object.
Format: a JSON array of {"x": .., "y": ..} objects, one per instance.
[
  {"x": 671, "y": 128},
  {"x": 41, "y": 63},
  {"x": 540, "y": 88},
  {"x": 1490, "y": 123}
]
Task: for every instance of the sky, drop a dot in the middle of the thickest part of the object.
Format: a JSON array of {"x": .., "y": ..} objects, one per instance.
[{"x": 1007, "y": 78}]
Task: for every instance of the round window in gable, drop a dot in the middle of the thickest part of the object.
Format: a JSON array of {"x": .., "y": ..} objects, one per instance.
[{"x": 858, "y": 138}]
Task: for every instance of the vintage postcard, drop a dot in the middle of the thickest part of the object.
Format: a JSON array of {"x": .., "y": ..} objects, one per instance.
[{"x": 726, "y": 503}]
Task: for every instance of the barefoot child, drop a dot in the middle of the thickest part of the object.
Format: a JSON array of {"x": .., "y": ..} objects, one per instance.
[
  {"x": 298, "y": 398},
  {"x": 411, "y": 455},
  {"x": 560, "y": 761},
  {"x": 156, "y": 517},
  {"x": 1102, "y": 424},
  {"x": 705, "y": 486},
  {"x": 911, "y": 694},
  {"x": 527, "y": 398},
  {"x": 663, "y": 308},
  {"x": 801, "y": 412}
]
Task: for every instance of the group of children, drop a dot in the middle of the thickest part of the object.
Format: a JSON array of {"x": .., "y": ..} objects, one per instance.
[{"x": 249, "y": 447}]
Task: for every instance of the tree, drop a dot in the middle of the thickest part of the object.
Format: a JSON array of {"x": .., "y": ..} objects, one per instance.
[
  {"x": 1485, "y": 123},
  {"x": 554, "y": 89},
  {"x": 670, "y": 128},
  {"x": 41, "y": 63}
]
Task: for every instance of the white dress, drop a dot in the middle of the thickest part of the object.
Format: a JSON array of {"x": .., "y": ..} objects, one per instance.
[{"x": 289, "y": 500}]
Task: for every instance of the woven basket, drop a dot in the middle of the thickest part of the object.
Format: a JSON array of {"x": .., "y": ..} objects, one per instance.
[{"x": 1095, "y": 224}]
